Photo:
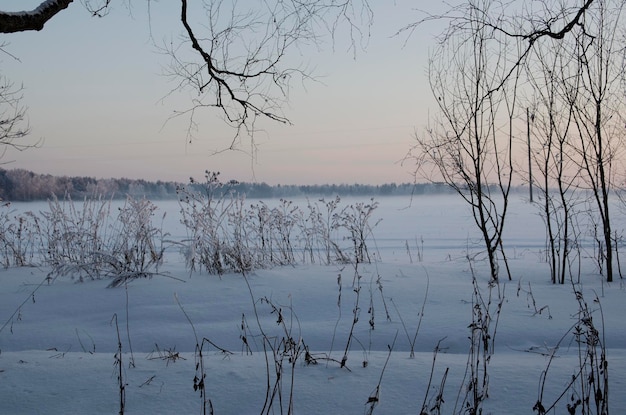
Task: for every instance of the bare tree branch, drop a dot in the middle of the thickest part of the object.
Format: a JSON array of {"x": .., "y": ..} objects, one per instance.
[
  {"x": 13, "y": 122},
  {"x": 101, "y": 9},
  {"x": 528, "y": 27},
  {"x": 11, "y": 22},
  {"x": 241, "y": 58}
]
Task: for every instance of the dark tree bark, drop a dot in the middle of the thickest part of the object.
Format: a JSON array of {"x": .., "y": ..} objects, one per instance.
[{"x": 11, "y": 22}]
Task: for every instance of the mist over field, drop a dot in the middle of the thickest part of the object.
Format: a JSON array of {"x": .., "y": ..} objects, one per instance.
[{"x": 404, "y": 323}]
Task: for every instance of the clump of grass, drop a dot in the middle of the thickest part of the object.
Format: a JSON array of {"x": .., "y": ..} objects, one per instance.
[
  {"x": 419, "y": 250},
  {"x": 121, "y": 384},
  {"x": 432, "y": 406},
  {"x": 374, "y": 398},
  {"x": 356, "y": 312},
  {"x": 588, "y": 387},
  {"x": 168, "y": 355},
  {"x": 412, "y": 340},
  {"x": 483, "y": 329},
  {"x": 530, "y": 300}
]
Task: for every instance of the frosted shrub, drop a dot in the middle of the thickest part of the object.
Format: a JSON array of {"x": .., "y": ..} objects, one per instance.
[
  {"x": 225, "y": 236},
  {"x": 240, "y": 252},
  {"x": 92, "y": 240},
  {"x": 274, "y": 233},
  {"x": 206, "y": 218},
  {"x": 78, "y": 236},
  {"x": 20, "y": 238},
  {"x": 286, "y": 216},
  {"x": 85, "y": 240},
  {"x": 137, "y": 245},
  {"x": 355, "y": 219},
  {"x": 319, "y": 234},
  {"x": 322, "y": 232},
  {"x": 258, "y": 223}
]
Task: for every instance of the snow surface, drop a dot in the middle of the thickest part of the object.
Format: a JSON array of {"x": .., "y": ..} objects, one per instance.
[{"x": 57, "y": 350}]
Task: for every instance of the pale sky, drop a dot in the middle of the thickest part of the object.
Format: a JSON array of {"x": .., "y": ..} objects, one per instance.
[{"x": 94, "y": 89}]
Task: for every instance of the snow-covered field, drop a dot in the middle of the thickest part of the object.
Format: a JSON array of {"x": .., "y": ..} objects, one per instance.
[{"x": 59, "y": 346}]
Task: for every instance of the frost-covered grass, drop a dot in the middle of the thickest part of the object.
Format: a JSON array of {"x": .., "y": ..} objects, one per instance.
[{"x": 59, "y": 341}]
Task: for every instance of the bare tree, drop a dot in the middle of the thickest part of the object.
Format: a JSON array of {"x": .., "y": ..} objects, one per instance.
[
  {"x": 483, "y": 51},
  {"x": 599, "y": 109},
  {"x": 592, "y": 76},
  {"x": 577, "y": 82},
  {"x": 553, "y": 122},
  {"x": 469, "y": 146}
]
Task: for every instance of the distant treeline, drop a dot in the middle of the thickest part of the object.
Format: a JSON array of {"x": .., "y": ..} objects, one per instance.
[{"x": 24, "y": 185}]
